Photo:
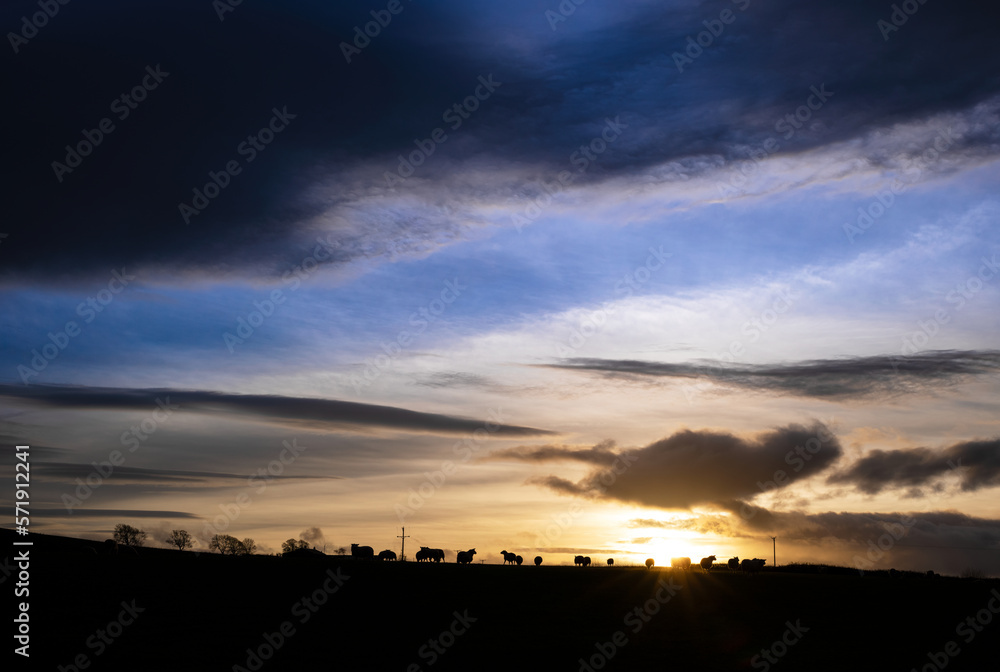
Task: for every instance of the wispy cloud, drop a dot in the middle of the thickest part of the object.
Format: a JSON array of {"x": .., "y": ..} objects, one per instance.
[
  {"x": 311, "y": 412},
  {"x": 839, "y": 379}
]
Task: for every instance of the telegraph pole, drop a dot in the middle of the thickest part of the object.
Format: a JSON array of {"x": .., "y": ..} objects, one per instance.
[
  {"x": 402, "y": 550},
  {"x": 774, "y": 550}
]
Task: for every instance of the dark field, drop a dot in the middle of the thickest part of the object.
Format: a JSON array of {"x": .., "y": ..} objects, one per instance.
[{"x": 202, "y": 612}]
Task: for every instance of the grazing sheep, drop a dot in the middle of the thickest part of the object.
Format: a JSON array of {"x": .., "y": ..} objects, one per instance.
[
  {"x": 465, "y": 557},
  {"x": 649, "y": 563},
  {"x": 508, "y": 557},
  {"x": 387, "y": 555},
  {"x": 538, "y": 560},
  {"x": 734, "y": 563},
  {"x": 110, "y": 547},
  {"x": 586, "y": 561},
  {"x": 423, "y": 554},
  {"x": 362, "y": 552},
  {"x": 437, "y": 554},
  {"x": 681, "y": 563},
  {"x": 706, "y": 563},
  {"x": 611, "y": 562},
  {"x": 578, "y": 560},
  {"x": 519, "y": 560},
  {"x": 752, "y": 566}
]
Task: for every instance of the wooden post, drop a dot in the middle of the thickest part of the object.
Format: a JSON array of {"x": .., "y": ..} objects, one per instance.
[{"x": 402, "y": 550}]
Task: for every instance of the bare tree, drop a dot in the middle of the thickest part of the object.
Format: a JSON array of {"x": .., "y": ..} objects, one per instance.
[
  {"x": 341, "y": 551},
  {"x": 126, "y": 535},
  {"x": 229, "y": 545},
  {"x": 293, "y": 545},
  {"x": 179, "y": 538}
]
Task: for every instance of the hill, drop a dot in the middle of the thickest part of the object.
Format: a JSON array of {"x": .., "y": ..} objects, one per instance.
[{"x": 168, "y": 610}]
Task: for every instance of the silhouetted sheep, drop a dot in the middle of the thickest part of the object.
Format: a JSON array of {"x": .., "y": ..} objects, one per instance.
[
  {"x": 110, "y": 547},
  {"x": 752, "y": 566},
  {"x": 386, "y": 555},
  {"x": 706, "y": 563},
  {"x": 734, "y": 563},
  {"x": 465, "y": 557},
  {"x": 128, "y": 551},
  {"x": 508, "y": 557},
  {"x": 681, "y": 563},
  {"x": 519, "y": 560},
  {"x": 538, "y": 560},
  {"x": 586, "y": 561},
  {"x": 578, "y": 560},
  {"x": 611, "y": 562},
  {"x": 649, "y": 563},
  {"x": 362, "y": 552}
]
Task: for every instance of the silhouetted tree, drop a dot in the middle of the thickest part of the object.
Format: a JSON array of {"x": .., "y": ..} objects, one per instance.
[
  {"x": 341, "y": 551},
  {"x": 230, "y": 545},
  {"x": 179, "y": 538},
  {"x": 126, "y": 535},
  {"x": 293, "y": 545},
  {"x": 649, "y": 562}
]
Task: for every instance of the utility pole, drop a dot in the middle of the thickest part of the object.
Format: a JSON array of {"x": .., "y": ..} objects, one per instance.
[
  {"x": 774, "y": 549},
  {"x": 402, "y": 550}
]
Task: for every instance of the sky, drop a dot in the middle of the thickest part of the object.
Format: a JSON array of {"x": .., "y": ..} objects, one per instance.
[{"x": 623, "y": 279}]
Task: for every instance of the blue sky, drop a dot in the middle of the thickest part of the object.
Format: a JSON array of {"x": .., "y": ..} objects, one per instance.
[{"x": 610, "y": 249}]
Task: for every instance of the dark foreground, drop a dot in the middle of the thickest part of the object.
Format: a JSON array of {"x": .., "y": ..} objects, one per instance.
[{"x": 175, "y": 611}]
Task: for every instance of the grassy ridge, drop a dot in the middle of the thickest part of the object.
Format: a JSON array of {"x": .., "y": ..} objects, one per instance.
[{"x": 207, "y": 610}]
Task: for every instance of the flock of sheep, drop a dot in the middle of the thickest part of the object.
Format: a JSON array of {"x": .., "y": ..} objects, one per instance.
[{"x": 426, "y": 554}]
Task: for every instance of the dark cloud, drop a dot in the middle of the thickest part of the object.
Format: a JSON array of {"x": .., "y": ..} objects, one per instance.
[
  {"x": 839, "y": 379},
  {"x": 603, "y": 453},
  {"x": 119, "y": 207},
  {"x": 316, "y": 413},
  {"x": 123, "y": 474},
  {"x": 699, "y": 467},
  {"x": 109, "y": 513},
  {"x": 976, "y": 463}
]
